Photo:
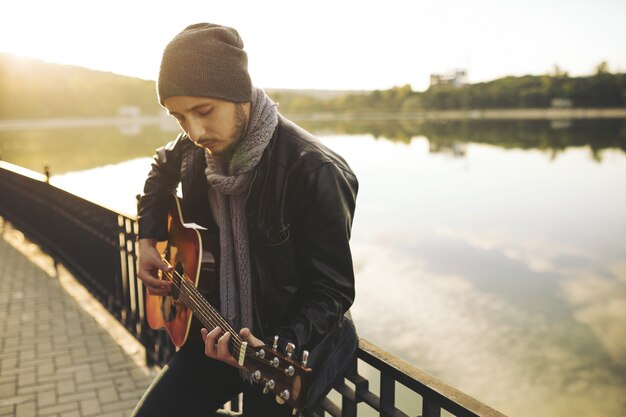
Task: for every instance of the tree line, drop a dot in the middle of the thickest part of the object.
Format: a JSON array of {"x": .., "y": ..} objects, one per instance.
[
  {"x": 32, "y": 89},
  {"x": 603, "y": 89}
]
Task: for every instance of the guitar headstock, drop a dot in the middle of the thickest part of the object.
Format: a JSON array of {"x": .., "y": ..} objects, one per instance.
[{"x": 281, "y": 375}]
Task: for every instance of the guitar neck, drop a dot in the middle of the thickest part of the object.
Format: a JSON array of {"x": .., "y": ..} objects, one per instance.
[{"x": 205, "y": 312}]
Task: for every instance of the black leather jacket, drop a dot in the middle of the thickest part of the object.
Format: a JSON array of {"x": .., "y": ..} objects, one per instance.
[{"x": 299, "y": 214}]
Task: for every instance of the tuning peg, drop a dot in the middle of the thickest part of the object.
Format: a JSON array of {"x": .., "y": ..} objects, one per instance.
[
  {"x": 290, "y": 371},
  {"x": 305, "y": 357},
  {"x": 275, "y": 362},
  {"x": 256, "y": 375},
  {"x": 269, "y": 385},
  {"x": 260, "y": 353},
  {"x": 275, "y": 344},
  {"x": 290, "y": 348},
  {"x": 284, "y": 396}
]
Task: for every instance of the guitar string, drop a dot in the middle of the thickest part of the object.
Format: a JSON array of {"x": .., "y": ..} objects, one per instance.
[
  {"x": 204, "y": 307},
  {"x": 200, "y": 302},
  {"x": 205, "y": 310}
]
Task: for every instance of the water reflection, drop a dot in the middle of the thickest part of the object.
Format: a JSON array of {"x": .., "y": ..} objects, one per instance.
[
  {"x": 114, "y": 186},
  {"x": 482, "y": 270},
  {"x": 78, "y": 148},
  {"x": 553, "y": 136},
  {"x": 512, "y": 357},
  {"x": 74, "y": 149}
]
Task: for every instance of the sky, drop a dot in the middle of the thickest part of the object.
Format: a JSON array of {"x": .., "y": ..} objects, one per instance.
[{"x": 331, "y": 44}]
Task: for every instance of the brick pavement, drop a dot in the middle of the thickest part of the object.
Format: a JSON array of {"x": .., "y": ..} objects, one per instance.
[{"x": 56, "y": 359}]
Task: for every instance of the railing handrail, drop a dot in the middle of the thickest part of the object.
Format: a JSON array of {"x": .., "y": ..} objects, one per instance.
[
  {"x": 23, "y": 171},
  {"x": 447, "y": 396}
]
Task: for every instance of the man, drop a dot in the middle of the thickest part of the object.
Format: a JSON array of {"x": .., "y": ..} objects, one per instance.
[{"x": 283, "y": 204}]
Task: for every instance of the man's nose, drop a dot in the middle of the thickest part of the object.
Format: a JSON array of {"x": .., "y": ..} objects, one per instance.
[{"x": 195, "y": 130}]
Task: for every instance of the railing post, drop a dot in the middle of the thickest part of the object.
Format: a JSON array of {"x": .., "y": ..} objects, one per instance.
[
  {"x": 387, "y": 394},
  {"x": 46, "y": 172},
  {"x": 52, "y": 231},
  {"x": 124, "y": 284},
  {"x": 429, "y": 409},
  {"x": 348, "y": 404}
]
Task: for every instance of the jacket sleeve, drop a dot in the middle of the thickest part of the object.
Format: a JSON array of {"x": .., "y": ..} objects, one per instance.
[
  {"x": 321, "y": 227},
  {"x": 161, "y": 183}
]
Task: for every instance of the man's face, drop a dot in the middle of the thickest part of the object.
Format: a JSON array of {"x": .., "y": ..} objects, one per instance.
[{"x": 211, "y": 123}]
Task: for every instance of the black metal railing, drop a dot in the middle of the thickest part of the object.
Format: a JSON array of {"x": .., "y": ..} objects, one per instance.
[
  {"x": 400, "y": 390},
  {"x": 98, "y": 246},
  {"x": 95, "y": 244}
]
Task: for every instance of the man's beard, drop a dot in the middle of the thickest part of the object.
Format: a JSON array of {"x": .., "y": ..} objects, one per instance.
[
  {"x": 241, "y": 124},
  {"x": 239, "y": 132}
]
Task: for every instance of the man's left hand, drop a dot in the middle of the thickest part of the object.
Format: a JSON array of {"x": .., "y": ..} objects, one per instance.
[{"x": 216, "y": 344}]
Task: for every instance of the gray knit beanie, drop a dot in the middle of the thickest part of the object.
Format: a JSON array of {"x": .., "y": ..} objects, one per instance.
[{"x": 205, "y": 60}]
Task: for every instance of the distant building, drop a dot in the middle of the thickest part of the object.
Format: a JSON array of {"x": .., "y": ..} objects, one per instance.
[
  {"x": 561, "y": 103},
  {"x": 456, "y": 78},
  {"x": 455, "y": 149},
  {"x": 129, "y": 111}
]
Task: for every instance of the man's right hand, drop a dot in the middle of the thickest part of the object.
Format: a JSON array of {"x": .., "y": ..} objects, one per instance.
[{"x": 149, "y": 262}]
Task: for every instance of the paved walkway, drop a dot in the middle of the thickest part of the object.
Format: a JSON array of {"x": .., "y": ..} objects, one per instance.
[{"x": 56, "y": 358}]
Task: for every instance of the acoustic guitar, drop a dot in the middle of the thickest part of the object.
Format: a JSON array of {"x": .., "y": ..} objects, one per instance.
[{"x": 192, "y": 250}]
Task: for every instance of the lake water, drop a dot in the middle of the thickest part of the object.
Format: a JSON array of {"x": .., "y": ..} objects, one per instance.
[{"x": 491, "y": 255}]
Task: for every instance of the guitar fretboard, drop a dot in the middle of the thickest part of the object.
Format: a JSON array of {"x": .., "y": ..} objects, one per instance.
[{"x": 204, "y": 311}]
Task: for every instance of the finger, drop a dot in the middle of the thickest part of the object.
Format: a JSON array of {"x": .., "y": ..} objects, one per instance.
[
  {"x": 150, "y": 261},
  {"x": 165, "y": 267},
  {"x": 209, "y": 348},
  {"x": 222, "y": 347},
  {"x": 247, "y": 335},
  {"x": 203, "y": 333},
  {"x": 147, "y": 275},
  {"x": 153, "y": 283},
  {"x": 157, "y": 284},
  {"x": 157, "y": 287},
  {"x": 210, "y": 341},
  {"x": 213, "y": 335},
  {"x": 160, "y": 263}
]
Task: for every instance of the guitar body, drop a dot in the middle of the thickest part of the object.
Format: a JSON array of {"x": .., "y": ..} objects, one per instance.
[{"x": 193, "y": 251}]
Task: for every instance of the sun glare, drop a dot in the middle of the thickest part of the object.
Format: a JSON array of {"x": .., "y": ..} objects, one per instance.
[{"x": 347, "y": 45}]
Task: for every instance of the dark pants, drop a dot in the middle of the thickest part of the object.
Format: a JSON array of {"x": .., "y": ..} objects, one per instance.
[{"x": 193, "y": 385}]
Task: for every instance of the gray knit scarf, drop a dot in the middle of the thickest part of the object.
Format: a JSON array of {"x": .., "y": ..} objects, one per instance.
[{"x": 232, "y": 179}]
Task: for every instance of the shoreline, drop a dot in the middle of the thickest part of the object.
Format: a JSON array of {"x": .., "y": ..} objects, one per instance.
[
  {"x": 78, "y": 122},
  {"x": 475, "y": 114}
]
